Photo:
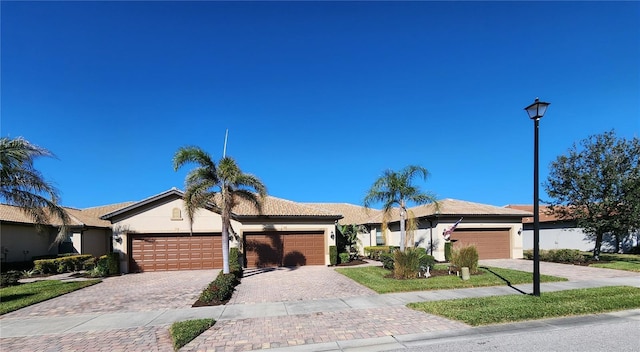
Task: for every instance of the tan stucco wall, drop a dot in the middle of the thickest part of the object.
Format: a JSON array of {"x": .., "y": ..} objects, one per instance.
[
  {"x": 161, "y": 219},
  {"x": 96, "y": 242},
  {"x": 20, "y": 238}
]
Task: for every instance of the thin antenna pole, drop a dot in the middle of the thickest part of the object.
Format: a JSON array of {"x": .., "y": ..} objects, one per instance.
[{"x": 224, "y": 150}]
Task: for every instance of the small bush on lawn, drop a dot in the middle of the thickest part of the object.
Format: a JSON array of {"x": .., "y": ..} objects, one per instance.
[
  {"x": 406, "y": 264},
  {"x": 344, "y": 257},
  {"x": 220, "y": 289},
  {"x": 426, "y": 260},
  {"x": 183, "y": 332},
  {"x": 10, "y": 278},
  {"x": 466, "y": 257},
  {"x": 333, "y": 255},
  {"x": 387, "y": 260}
]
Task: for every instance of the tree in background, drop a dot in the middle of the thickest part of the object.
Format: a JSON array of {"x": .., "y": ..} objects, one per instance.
[
  {"x": 23, "y": 186},
  {"x": 348, "y": 237},
  {"x": 597, "y": 184},
  {"x": 395, "y": 188},
  {"x": 208, "y": 180}
]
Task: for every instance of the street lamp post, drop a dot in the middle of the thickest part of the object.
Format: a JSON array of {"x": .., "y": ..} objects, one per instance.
[{"x": 536, "y": 111}]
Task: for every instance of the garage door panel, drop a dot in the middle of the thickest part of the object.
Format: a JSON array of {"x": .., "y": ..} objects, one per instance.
[
  {"x": 491, "y": 244},
  {"x": 175, "y": 252},
  {"x": 284, "y": 249}
]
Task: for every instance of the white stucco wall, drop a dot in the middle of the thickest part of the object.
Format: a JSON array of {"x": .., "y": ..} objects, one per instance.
[
  {"x": 557, "y": 238},
  {"x": 424, "y": 233}
]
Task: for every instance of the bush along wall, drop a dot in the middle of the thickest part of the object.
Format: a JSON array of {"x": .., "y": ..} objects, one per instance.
[
  {"x": 61, "y": 265},
  {"x": 333, "y": 255}
]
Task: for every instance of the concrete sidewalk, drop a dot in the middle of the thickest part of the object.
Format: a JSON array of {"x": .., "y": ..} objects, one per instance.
[{"x": 35, "y": 326}]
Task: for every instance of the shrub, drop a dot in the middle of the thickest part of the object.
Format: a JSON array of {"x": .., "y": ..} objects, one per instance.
[
  {"x": 113, "y": 263},
  {"x": 235, "y": 267},
  {"x": 10, "y": 278},
  {"x": 374, "y": 252},
  {"x": 45, "y": 266},
  {"x": 407, "y": 263},
  {"x": 63, "y": 264},
  {"x": 568, "y": 256},
  {"x": 344, "y": 257},
  {"x": 557, "y": 255},
  {"x": 466, "y": 257},
  {"x": 387, "y": 260},
  {"x": 447, "y": 251},
  {"x": 333, "y": 255},
  {"x": 220, "y": 289}
]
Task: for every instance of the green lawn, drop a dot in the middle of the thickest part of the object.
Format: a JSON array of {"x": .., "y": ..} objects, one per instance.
[
  {"x": 503, "y": 309},
  {"x": 183, "y": 332},
  {"x": 16, "y": 297},
  {"x": 374, "y": 278},
  {"x": 628, "y": 262}
]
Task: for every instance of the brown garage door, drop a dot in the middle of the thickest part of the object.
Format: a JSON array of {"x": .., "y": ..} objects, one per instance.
[
  {"x": 175, "y": 252},
  {"x": 491, "y": 244},
  {"x": 268, "y": 249}
]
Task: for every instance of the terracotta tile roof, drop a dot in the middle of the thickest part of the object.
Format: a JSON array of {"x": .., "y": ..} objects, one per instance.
[
  {"x": 454, "y": 207},
  {"x": 78, "y": 217},
  {"x": 351, "y": 213},
  {"x": 274, "y": 206},
  {"x": 545, "y": 213},
  {"x": 91, "y": 216}
]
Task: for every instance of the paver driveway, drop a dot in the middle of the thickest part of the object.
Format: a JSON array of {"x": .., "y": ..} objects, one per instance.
[
  {"x": 306, "y": 283},
  {"x": 127, "y": 293},
  {"x": 570, "y": 272}
]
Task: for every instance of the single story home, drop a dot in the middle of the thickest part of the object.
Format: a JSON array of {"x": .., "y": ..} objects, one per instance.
[
  {"x": 21, "y": 241},
  {"x": 557, "y": 233},
  {"x": 154, "y": 234},
  {"x": 495, "y": 231}
]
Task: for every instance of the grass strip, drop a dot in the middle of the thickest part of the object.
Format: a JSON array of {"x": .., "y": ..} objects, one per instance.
[
  {"x": 375, "y": 278},
  {"x": 23, "y": 295},
  {"x": 183, "y": 332},
  {"x": 619, "y": 265},
  {"x": 512, "y": 308}
]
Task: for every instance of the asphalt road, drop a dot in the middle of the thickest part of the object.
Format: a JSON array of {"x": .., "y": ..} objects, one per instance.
[{"x": 619, "y": 336}]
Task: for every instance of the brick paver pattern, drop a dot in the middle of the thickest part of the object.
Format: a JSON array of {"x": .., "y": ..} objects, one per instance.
[
  {"x": 127, "y": 293},
  {"x": 286, "y": 331},
  {"x": 295, "y": 284},
  {"x": 141, "y": 339}
]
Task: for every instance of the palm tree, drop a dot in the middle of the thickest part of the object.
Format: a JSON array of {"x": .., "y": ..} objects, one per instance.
[
  {"x": 396, "y": 189},
  {"x": 207, "y": 180},
  {"x": 23, "y": 186}
]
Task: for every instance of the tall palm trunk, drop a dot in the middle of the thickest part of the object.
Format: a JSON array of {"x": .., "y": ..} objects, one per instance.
[
  {"x": 226, "y": 222},
  {"x": 403, "y": 235}
]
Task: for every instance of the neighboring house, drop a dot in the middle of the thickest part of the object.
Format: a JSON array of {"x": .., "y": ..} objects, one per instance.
[
  {"x": 493, "y": 230},
  {"x": 21, "y": 241},
  {"x": 555, "y": 233}
]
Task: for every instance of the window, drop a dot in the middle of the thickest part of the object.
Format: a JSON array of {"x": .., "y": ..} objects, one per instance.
[{"x": 176, "y": 214}]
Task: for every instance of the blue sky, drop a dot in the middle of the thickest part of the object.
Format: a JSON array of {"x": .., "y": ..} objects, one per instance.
[{"x": 319, "y": 97}]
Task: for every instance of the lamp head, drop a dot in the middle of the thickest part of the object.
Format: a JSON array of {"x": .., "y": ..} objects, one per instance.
[{"x": 537, "y": 109}]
